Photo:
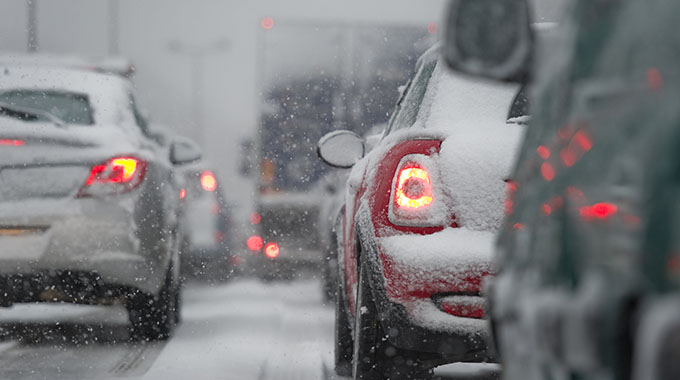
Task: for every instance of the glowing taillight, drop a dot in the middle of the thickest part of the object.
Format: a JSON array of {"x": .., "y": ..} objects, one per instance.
[
  {"x": 182, "y": 193},
  {"x": 599, "y": 211},
  {"x": 208, "y": 181},
  {"x": 416, "y": 197},
  {"x": 115, "y": 176},
  {"x": 116, "y": 170},
  {"x": 7, "y": 142},
  {"x": 414, "y": 188},
  {"x": 271, "y": 250},
  {"x": 255, "y": 218},
  {"x": 255, "y": 243}
]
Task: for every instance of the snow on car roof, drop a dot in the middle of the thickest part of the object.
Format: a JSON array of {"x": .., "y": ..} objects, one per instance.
[
  {"x": 480, "y": 147},
  {"x": 108, "y": 94},
  {"x": 110, "y": 64}
]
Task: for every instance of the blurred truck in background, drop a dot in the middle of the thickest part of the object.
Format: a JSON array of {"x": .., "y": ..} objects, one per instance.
[{"x": 351, "y": 82}]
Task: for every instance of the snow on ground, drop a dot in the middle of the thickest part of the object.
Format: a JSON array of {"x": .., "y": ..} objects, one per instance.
[{"x": 242, "y": 330}]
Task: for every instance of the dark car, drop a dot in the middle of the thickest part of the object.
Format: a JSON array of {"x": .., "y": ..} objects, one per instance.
[
  {"x": 421, "y": 213},
  {"x": 588, "y": 275}
]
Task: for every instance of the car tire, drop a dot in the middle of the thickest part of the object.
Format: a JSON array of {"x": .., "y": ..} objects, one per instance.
[
  {"x": 154, "y": 318},
  {"x": 343, "y": 336},
  {"x": 374, "y": 358}
]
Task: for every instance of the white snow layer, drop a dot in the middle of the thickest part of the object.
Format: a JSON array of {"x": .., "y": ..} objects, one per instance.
[{"x": 480, "y": 148}]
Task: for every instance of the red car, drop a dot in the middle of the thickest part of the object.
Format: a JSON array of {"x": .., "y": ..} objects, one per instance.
[{"x": 421, "y": 213}]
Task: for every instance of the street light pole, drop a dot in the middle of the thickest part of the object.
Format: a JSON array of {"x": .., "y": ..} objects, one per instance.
[
  {"x": 197, "y": 75},
  {"x": 32, "y": 29},
  {"x": 197, "y": 54},
  {"x": 114, "y": 17}
]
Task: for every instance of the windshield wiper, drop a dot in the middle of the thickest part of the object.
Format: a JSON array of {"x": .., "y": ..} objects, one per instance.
[{"x": 30, "y": 114}]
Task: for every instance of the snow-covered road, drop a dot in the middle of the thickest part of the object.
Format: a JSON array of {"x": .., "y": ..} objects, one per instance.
[{"x": 242, "y": 330}]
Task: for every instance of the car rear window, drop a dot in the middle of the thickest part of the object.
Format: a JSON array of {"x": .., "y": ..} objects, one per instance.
[
  {"x": 409, "y": 106},
  {"x": 72, "y": 108}
]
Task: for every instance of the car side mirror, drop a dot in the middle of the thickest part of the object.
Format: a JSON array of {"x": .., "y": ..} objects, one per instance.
[
  {"x": 184, "y": 151},
  {"x": 341, "y": 149},
  {"x": 489, "y": 38}
]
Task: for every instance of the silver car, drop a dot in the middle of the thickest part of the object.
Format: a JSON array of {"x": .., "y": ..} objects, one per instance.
[{"x": 88, "y": 200}]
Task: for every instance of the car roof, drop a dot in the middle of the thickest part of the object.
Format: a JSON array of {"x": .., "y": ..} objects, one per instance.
[
  {"x": 117, "y": 65},
  {"x": 109, "y": 95}
]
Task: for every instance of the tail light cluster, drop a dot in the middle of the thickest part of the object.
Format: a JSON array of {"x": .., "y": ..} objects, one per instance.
[
  {"x": 208, "y": 181},
  {"x": 11, "y": 142},
  {"x": 116, "y": 176},
  {"x": 416, "y": 199},
  {"x": 271, "y": 250},
  {"x": 255, "y": 243}
]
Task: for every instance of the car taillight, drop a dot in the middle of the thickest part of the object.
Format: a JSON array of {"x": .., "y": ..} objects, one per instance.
[
  {"x": 10, "y": 142},
  {"x": 116, "y": 176},
  {"x": 414, "y": 200},
  {"x": 208, "y": 181},
  {"x": 414, "y": 187},
  {"x": 255, "y": 243},
  {"x": 271, "y": 250},
  {"x": 598, "y": 211}
]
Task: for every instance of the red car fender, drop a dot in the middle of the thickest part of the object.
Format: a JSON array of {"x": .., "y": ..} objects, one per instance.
[{"x": 375, "y": 193}]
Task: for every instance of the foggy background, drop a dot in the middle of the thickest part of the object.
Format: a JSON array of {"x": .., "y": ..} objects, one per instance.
[
  {"x": 168, "y": 39},
  {"x": 226, "y": 33}
]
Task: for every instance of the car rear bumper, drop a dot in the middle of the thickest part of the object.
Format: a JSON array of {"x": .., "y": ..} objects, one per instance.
[
  {"x": 89, "y": 236},
  {"x": 411, "y": 271}
]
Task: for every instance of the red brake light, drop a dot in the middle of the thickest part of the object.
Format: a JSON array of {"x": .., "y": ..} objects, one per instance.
[
  {"x": 116, "y": 170},
  {"x": 271, "y": 250},
  {"x": 255, "y": 218},
  {"x": 414, "y": 188},
  {"x": 267, "y": 23},
  {"x": 254, "y": 243},
  {"x": 182, "y": 193},
  {"x": 115, "y": 176},
  {"x": 599, "y": 211},
  {"x": 208, "y": 181},
  {"x": 414, "y": 198},
  {"x": 8, "y": 142}
]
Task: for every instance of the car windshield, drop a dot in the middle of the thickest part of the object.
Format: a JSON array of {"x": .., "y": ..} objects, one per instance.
[{"x": 70, "y": 107}]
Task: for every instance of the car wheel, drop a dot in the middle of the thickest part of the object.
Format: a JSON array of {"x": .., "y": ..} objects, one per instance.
[
  {"x": 374, "y": 358},
  {"x": 154, "y": 317},
  {"x": 343, "y": 336}
]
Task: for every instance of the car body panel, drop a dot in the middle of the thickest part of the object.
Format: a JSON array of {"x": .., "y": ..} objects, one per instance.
[
  {"x": 413, "y": 267},
  {"x": 593, "y": 233},
  {"x": 127, "y": 240}
]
